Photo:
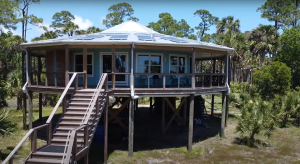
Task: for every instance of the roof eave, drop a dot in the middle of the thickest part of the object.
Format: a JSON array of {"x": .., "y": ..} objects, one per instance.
[{"x": 230, "y": 51}]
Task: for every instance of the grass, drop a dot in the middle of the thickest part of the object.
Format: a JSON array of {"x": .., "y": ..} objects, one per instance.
[
  {"x": 284, "y": 146},
  {"x": 8, "y": 142}
]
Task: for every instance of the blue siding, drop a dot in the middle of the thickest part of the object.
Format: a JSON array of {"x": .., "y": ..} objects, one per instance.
[{"x": 93, "y": 80}]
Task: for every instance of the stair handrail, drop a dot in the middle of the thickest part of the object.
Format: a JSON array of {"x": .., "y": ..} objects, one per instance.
[
  {"x": 61, "y": 98},
  {"x": 94, "y": 99},
  {"x": 70, "y": 143},
  {"x": 28, "y": 134}
]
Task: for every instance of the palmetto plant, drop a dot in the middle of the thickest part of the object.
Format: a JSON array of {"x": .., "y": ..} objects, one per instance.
[
  {"x": 6, "y": 126},
  {"x": 13, "y": 87}
]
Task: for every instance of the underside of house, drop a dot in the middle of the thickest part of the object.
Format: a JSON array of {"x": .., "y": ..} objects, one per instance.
[{"x": 94, "y": 72}]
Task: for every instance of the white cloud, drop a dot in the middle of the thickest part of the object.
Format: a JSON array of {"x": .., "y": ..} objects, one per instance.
[
  {"x": 82, "y": 23},
  {"x": 15, "y": 32},
  {"x": 41, "y": 30}
]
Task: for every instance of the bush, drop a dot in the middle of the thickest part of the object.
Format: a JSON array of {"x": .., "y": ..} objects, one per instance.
[
  {"x": 52, "y": 99},
  {"x": 239, "y": 87},
  {"x": 272, "y": 79},
  {"x": 6, "y": 125},
  {"x": 287, "y": 106},
  {"x": 256, "y": 116},
  {"x": 2, "y": 94}
]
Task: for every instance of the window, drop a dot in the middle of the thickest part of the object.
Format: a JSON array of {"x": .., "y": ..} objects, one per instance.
[
  {"x": 177, "y": 64},
  {"x": 144, "y": 62},
  {"x": 79, "y": 63}
]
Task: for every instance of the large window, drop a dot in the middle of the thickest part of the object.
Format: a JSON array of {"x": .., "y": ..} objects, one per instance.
[
  {"x": 177, "y": 64},
  {"x": 149, "y": 63},
  {"x": 79, "y": 63}
]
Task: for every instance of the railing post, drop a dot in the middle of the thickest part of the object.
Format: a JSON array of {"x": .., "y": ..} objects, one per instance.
[
  {"x": 11, "y": 160},
  {"x": 33, "y": 141},
  {"x": 85, "y": 79},
  {"x": 164, "y": 81},
  {"x": 49, "y": 133},
  {"x": 74, "y": 149},
  {"x": 97, "y": 106},
  {"x": 76, "y": 84},
  {"x": 86, "y": 135}
]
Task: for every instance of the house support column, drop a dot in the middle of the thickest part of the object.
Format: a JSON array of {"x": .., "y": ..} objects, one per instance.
[
  {"x": 106, "y": 122},
  {"x": 191, "y": 122},
  {"x": 30, "y": 117},
  {"x": 40, "y": 106},
  {"x": 222, "y": 133},
  {"x": 212, "y": 105},
  {"x": 131, "y": 128},
  {"x": 113, "y": 60},
  {"x": 227, "y": 109},
  {"x": 24, "y": 94},
  {"x": 163, "y": 115}
]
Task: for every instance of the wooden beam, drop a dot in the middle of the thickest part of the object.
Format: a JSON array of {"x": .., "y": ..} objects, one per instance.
[
  {"x": 47, "y": 48},
  {"x": 67, "y": 64},
  {"x": 113, "y": 60},
  {"x": 131, "y": 128},
  {"x": 85, "y": 66},
  {"x": 222, "y": 133},
  {"x": 30, "y": 117},
  {"x": 212, "y": 105},
  {"x": 24, "y": 94},
  {"x": 193, "y": 69},
  {"x": 163, "y": 109},
  {"x": 211, "y": 51},
  {"x": 227, "y": 109},
  {"x": 191, "y": 123},
  {"x": 106, "y": 122},
  {"x": 40, "y": 106},
  {"x": 29, "y": 69}
]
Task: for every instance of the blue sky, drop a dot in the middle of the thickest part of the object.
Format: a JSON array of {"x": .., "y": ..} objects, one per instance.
[{"x": 92, "y": 12}]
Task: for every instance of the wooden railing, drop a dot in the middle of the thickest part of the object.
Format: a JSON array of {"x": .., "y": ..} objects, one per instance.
[
  {"x": 36, "y": 78},
  {"x": 166, "y": 80},
  {"x": 32, "y": 133},
  {"x": 71, "y": 147}
]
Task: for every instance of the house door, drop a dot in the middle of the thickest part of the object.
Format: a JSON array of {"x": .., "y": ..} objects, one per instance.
[{"x": 120, "y": 66}]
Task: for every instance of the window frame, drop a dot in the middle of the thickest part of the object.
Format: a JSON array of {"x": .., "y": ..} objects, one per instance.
[
  {"x": 149, "y": 57},
  {"x": 177, "y": 55},
  {"x": 93, "y": 64},
  {"x": 127, "y": 66}
]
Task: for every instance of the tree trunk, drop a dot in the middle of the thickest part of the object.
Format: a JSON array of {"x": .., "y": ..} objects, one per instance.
[
  {"x": 19, "y": 102},
  {"x": 262, "y": 60}
]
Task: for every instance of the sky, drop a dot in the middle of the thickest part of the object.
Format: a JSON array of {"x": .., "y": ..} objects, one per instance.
[{"x": 91, "y": 12}]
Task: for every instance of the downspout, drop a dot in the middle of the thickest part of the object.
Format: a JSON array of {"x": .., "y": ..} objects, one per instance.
[
  {"x": 27, "y": 76},
  {"x": 227, "y": 63},
  {"x": 132, "y": 94}
]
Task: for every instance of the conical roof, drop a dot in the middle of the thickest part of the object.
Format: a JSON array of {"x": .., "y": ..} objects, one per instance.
[{"x": 127, "y": 33}]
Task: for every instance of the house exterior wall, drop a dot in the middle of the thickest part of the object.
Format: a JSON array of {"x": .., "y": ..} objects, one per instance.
[
  {"x": 98, "y": 64},
  {"x": 50, "y": 66}
]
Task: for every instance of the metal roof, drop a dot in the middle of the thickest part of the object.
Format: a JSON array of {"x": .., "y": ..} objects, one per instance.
[{"x": 127, "y": 33}]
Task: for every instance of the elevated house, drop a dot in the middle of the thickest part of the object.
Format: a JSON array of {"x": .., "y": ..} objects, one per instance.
[{"x": 127, "y": 61}]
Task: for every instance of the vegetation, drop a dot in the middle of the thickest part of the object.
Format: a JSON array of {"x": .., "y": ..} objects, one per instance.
[
  {"x": 265, "y": 68},
  {"x": 271, "y": 80}
]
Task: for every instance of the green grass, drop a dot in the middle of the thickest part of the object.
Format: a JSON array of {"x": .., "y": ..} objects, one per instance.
[{"x": 8, "y": 142}]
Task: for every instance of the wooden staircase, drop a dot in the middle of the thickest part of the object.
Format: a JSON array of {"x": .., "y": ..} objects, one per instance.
[{"x": 74, "y": 132}]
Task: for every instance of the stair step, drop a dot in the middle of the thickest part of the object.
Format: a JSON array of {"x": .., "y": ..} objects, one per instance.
[
  {"x": 46, "y": 155},
  {"x": 67, "y": 129},
  {"x": 44, "y": 161},
  {"x": 64, "y": 135},
  {"x": 75, "y": 113}
]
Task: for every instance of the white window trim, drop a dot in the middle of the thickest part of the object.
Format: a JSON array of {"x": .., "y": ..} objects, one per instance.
[
  {"x": 93, "y": 63},
  {"x": 185, "y": 61},
  {"x": 149, "y": 54},
  {"x": 126, "y": 82}
]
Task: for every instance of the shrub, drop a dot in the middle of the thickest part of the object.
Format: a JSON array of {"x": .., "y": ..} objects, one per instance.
[
  {"x": 256, "y": 116},
  {"x": 272, "y": 79},
  {"x": 2, "y": 94},
  {"x": 6, "y": 125},
  {"x": 52, "y": 99}
]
